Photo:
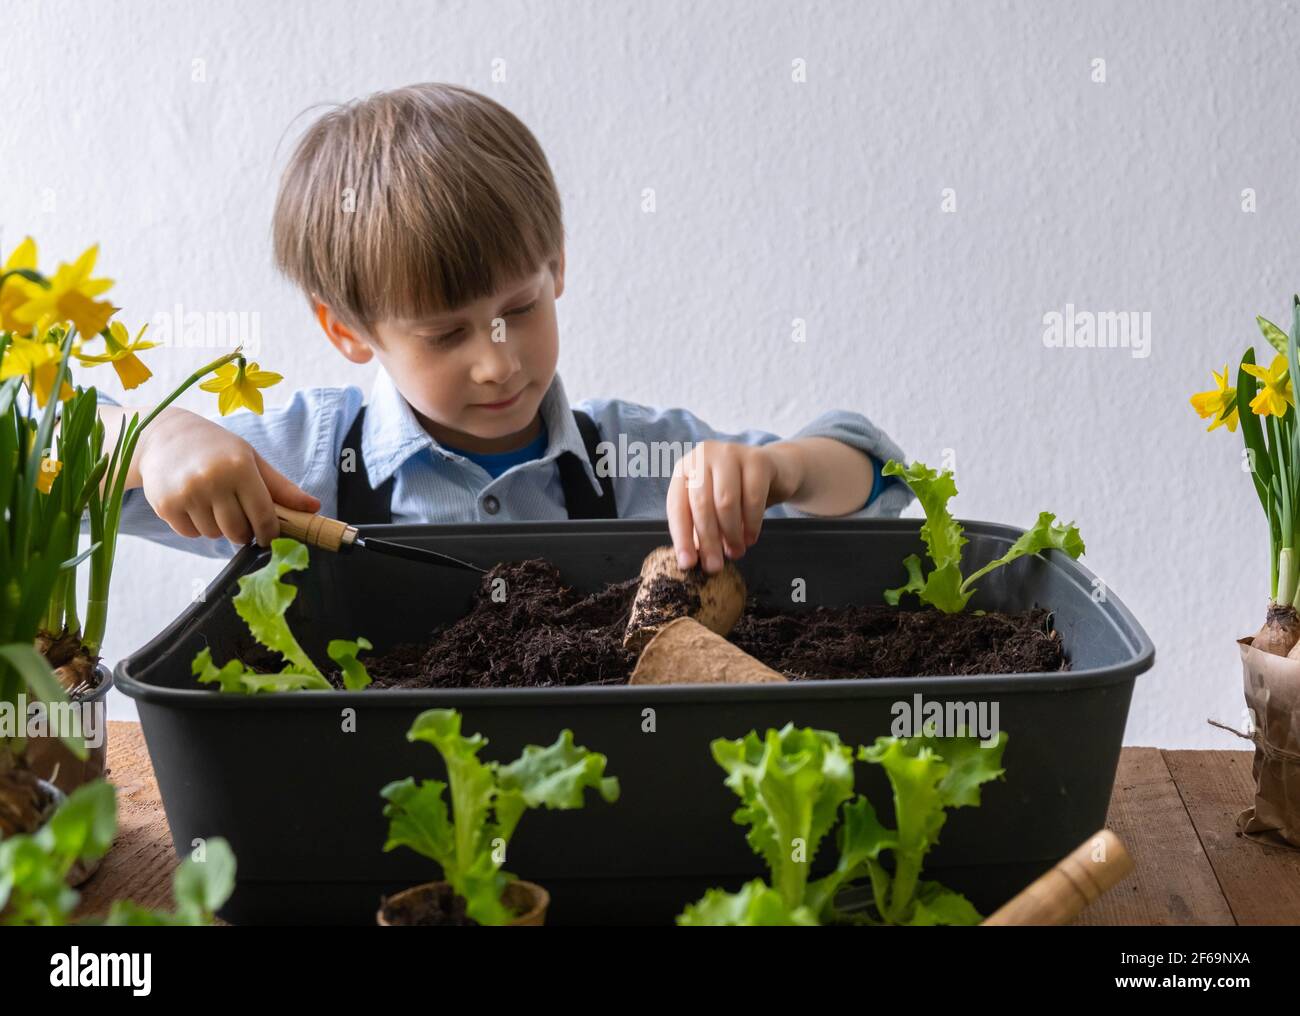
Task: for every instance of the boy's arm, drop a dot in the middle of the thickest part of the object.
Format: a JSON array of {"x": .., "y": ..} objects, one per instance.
[
  {"x": 283, "y": 450},
  {"x": 642, "y": 496},
  {"x": 726, "y": 483},
  {"x": 820, "y": 476},
  {"x": 887, "y": 497}
]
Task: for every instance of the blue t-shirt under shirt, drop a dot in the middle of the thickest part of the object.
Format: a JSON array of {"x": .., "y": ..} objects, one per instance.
[{"x": 497, "y": 463}]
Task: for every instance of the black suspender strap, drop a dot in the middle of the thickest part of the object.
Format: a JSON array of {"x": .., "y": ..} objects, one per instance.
[
  {"x": 361, "y": 505},
  {"x": 581, "y": 501}
]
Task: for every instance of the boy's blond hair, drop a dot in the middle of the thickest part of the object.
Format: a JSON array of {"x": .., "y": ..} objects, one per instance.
[{"x": 414, "y": 202}]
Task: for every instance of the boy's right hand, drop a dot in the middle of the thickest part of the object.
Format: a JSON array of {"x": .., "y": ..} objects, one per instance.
[{"x": 202, "y": 480}]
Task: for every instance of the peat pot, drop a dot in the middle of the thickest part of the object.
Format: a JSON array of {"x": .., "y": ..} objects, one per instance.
[
  {"x": 293, "y": 779},
  {"x": 525, "y": 899}
]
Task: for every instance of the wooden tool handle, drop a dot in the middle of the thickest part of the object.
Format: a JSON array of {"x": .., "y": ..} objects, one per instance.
[
  {"x": 315, "y": 530},
  {"x": 1058, "y": 897}
]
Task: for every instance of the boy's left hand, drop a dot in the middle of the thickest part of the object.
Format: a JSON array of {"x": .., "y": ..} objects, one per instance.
[{"x": 718, "y": 494}]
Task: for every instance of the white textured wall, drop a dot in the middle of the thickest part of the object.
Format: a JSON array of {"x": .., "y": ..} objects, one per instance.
[{"x": 776, "y": 200}]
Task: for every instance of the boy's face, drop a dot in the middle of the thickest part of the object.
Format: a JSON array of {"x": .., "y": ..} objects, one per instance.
[{"x": 474, "y": 376}]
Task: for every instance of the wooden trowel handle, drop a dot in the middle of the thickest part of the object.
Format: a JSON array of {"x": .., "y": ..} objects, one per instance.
[
  {"x": 315, "y": 530},
  {"x": 1059, "y": 896}
]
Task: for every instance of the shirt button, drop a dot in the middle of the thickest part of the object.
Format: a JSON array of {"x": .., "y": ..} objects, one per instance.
[{"x": 491, "y": 505}]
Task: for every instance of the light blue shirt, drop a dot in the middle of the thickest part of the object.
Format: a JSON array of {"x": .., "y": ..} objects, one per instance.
[{"x": 433, "y": 483}]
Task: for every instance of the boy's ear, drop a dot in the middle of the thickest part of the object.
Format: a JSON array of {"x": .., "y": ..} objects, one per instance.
[
  {"x": 557, "y": 273},
  {"x": 343, "y": 338}
]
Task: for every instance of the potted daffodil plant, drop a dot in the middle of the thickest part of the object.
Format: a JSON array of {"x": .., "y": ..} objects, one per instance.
[
  {"x": 1262, "y": 405},
  {"x": 60, "y": 479}
]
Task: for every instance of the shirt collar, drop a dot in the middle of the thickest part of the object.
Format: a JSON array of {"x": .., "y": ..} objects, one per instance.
[{"x": 391, "y": 433}]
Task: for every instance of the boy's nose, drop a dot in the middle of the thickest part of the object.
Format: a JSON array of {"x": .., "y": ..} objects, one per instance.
[{"x": 496, "y": 361}]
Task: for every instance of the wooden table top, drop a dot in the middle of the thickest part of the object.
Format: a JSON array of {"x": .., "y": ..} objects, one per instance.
[{"x": 1175, "y": 811}]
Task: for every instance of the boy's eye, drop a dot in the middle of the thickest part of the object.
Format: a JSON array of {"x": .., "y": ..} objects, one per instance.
[{"x": 449, "y": 337}]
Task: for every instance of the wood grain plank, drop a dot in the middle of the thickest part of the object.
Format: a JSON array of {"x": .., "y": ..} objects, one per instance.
[
  {"x": 1172, "y": 882},
  {"x": 141, "y": 863},
  {"x": 1261, "y": 883}
]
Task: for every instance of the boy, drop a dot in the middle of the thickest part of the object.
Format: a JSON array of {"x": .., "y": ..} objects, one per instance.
[{"x": 424, "y": 227}]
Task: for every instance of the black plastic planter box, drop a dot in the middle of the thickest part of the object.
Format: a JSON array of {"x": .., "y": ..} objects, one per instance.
[{"x": 298, "y": 797}]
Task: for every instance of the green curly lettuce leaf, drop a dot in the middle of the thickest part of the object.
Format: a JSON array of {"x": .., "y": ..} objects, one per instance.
[
  {"x": 861, "y": 838},
  {"x": 488, "y": 799},
  {"x": 791, "y": 784},
  {"x": 419, "y": 820},
  {"x": 469, "y": 867},
  {"x": 553, "y": 777},
  {"x": 263, "y": 599},
  {"x": 795, "y": 785},
  {"x": 236, "y": 678},
  {"x": 344, "y": 653},
  {"x": 756, "y": 905},
  {"x": 1046, "y": 534},
  {"x": 935, "y": 905},
  {"x": 942, "y": 535},
  {"x": 928, "y": 775},
  {"x": 944, "y": 588}
]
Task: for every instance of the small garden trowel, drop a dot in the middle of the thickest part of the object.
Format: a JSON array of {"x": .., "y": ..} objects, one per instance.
[{"x": 331, "y": 534}]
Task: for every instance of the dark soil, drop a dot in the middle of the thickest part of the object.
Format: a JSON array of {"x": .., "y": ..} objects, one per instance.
[
  {"x": 666, "y": 599},
  {"x": 884, "y": 641},
  {"x": 545, "y": 634},
  {"x": 441, "y": 909}
]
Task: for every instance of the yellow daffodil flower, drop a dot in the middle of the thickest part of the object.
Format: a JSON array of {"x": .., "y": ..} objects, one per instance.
[
  {"x": 121, "y": 350},
  {"x": 1220, "y": 403},
  {"x": 71, "y": 297},
  {"x": 239, "y": 386},
  {"x": 37, "y": 358},
  {"x": 50, "y": 468},
  {"x": 1275, "y": 393},
  {"x": 16, "y": 291}
]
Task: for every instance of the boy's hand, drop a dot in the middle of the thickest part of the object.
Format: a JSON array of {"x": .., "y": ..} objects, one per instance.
[
  {"x": 718, "y": 494},
  {"x": 203, "y": 480}
]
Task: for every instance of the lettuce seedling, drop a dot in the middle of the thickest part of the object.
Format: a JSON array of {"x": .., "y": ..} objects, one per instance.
[
  {"x": 34, "y": 869},
  {"x": 791, "y": 784},
  {"x": 489, "y": 799},
  {"x": 928, "y": 775},
  {"x": 796, "y": 784},
  {"x": 262, "y": 601},
  {"x": 944, "y": 587}
]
